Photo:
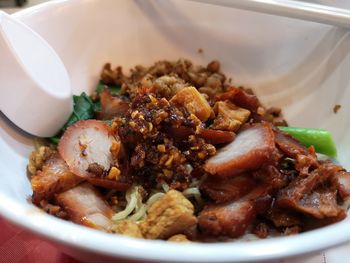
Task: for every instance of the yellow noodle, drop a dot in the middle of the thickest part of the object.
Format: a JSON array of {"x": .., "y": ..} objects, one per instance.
[
  {"x": 154, "y": 198},
  {"x": 193, "y": 192},
  {"x": 131, "y": 198},
  {"x": 165, "y": 187},
  {"x": 139, "y": 214}
]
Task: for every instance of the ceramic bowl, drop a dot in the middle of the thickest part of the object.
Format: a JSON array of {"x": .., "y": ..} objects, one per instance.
[{"x": 300, "y": 66}]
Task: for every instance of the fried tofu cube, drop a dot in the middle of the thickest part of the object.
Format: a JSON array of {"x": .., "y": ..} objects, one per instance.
[
  {"x": 179, "y": 238},
  {"x": 229, "y": 117},
  {"x": 128, "y": 228},
  {"x": 168, "y": 216},
  {"x": 194, "y": 102},
  {"x": 38, "y": 157}
]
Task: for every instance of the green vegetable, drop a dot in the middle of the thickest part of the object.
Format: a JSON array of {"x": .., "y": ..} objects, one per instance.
[
  {"x": 100, "y": 87},
  {"x": 319, "y": 138},
  {"x": 84, "y": 109},
  {"x": 113, "y": 89},
  {"x": 55, "y": 140},
  {"x": 108, "y": 122}
]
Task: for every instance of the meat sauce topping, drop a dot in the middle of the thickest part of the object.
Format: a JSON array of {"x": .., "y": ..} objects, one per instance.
[{"x": 175, "y": 152}]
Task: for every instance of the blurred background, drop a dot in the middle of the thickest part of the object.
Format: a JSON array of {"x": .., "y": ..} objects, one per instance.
[{"x": 13, "y": 5}]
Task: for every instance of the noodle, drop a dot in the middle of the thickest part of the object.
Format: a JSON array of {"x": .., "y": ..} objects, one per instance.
[
  {"x": 139, "y": 214},
  {"x": 154, "y": 198},
  {"x": 194, "y": 192},
  {"x": 165, "y": 187},
  {"x": 136, "y": 210},
  {"x": 131, "y": 198}
]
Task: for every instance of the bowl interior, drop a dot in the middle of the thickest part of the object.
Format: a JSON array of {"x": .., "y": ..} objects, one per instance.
[{"x": 299, "y": 66}]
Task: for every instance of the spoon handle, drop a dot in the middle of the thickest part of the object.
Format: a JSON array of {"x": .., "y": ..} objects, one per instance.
[{"x": 290, "y": 8}]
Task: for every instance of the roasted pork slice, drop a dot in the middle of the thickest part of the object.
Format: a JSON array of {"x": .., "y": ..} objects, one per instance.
[
  {"x": 54, "y": 177},
  {"x": 229, "y": 219},
  {"x": 172, "y": 214},
  {"x": 85, "y": 206},
  {"x": 91, "y": 143},
  {"x": 270, "y": 176},
  {"x": 209, "y": 135},
  {"x": 252, "y": 147},
  {"x": 233, "y": 218},
  {"x": 112, "y": 106},
  {"x": 288, "y": 145},
  {"x": 215, "y": 136},
  {"x": 227, "y": 189},
  {"x": 84, "y": 143},
  {"x": 122, "y": 184}
]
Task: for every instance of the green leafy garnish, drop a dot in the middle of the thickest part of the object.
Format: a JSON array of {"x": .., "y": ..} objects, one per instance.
[
  {"x": 319, "y": 138},
  {"x": 54, "y": 140},
  {"x": 113, "y": 89},
  {"x": 84, "y": 109}
]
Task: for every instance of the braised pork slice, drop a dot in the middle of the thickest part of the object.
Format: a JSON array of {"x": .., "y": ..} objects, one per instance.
[
  {"x": 228, "y": 189},
  {"x": 283, "y": 217},
  {"x": 233, "y": 218},
  {"x": 320, "y": 203},
  {"x": 343, "y": 180},
  {"x": 253, "y": 147},
  {"x": 171, "y": 215},
  {"x": 54, "y": 177},
  {"x": 305, "y": 193},
  {"x": 304, "y": 158},
  {"x": 85, "y": 206}
]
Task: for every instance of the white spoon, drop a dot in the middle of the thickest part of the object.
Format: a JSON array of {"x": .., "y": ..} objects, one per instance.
[
  {"x": 35, "y": 91},
  {"x": 289, "y": 8}
]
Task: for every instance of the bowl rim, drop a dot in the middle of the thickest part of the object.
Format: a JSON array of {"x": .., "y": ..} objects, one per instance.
[{"x": 81, "y": 237}]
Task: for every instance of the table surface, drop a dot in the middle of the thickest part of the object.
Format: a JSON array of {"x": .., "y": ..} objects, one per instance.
[{"x": 20, "y": 246}]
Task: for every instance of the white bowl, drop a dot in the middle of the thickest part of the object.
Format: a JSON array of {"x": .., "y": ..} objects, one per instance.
[{"x": 300, "y": 66}]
